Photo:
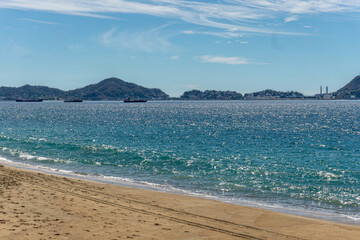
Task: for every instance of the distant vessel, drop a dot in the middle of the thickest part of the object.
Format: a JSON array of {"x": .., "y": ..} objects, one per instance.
[
  {"x": 128, "y": 100},
  {"x": 29, "y": 100},
  {"x": 73, "y": 100}
]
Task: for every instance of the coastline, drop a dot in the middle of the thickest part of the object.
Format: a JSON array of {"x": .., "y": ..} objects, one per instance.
[
  {"x": 35, "y": 205},
  {"x": 132, "y": 183}
]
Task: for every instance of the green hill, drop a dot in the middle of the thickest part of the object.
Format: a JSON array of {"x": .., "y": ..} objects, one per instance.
[
  {"x": 350, "y": 90},
  {"x": 115, "y": 89},
  {"x": 29, "y": 92},
  {"x": 211, "y": 95},
  {"x": 108, "y": 89},
  {"x": 272, "y": 94}
]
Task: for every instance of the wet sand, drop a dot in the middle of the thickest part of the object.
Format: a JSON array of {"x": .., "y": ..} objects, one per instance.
[{"x": 39, "y": 206}]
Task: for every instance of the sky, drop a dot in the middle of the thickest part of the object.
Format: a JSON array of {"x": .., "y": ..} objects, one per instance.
[{"x": 180, "y": 45}]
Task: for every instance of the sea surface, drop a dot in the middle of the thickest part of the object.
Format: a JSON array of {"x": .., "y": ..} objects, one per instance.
[{"x": 299, "y": 157}]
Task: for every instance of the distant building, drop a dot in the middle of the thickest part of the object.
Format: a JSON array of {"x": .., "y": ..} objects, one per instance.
[
  {"x": 327, "y": 97},
  {"x": 324, "y": 96}
]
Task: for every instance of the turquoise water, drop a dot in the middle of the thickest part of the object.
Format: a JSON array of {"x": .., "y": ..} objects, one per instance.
[{"x": 300, "y": 157}]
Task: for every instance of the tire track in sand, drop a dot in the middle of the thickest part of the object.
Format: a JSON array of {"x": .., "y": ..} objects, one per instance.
[{"x": 196, "y": 220}]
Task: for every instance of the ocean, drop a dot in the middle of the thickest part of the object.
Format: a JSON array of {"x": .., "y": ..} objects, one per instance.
[{"x": 298, "y": 157}]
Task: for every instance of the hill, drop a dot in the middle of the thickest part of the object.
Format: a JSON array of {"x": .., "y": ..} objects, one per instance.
[
  {"x": 108, "y": 89},
  {"x": 350, "y": 90},
  {"x": 269, "y": 94},
  {"x": 115, "y": 89},
  {"x": 29, "y": 92},
  {"x": 211, "y": 95}
]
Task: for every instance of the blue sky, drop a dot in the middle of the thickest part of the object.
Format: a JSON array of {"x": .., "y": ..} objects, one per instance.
[{"x": 179, "y": 45}]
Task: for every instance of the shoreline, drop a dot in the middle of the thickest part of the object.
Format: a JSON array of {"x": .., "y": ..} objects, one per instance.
[
  {"x": 44, "y": 206},
  {"x": 131, "y": 183}
]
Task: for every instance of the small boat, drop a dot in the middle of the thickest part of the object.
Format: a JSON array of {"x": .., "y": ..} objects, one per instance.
[
  {"x": 128, "y": 100},
  {"x": 28, "y": 100},
  {"x": 73, "y": 100}
]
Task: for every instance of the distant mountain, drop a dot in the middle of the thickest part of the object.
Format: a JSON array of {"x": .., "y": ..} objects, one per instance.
[
  {"x": 350, "y": 90},
  {"x": 211, "y": 95},
  {"x": 108, "y": 89},
  {"x": 272, "y": 94},
  {"x": 115, "y": 89},
  {"x": 29, "y": 92}
]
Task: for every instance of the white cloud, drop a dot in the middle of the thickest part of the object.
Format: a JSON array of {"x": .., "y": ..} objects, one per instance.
[
  {"x": 224, "y": 60},
  {"x": 74, "y": 47},
  {"x": 189, "y": 32},
  {"x": 175, "y": 57},
  {"x": 230, "y": 15},
  {"x": 38, "y": 21},
  {"x": 291, "y": 19},
  {"x": 148, "y": 40},
  {"x": 216, "y": 34}
]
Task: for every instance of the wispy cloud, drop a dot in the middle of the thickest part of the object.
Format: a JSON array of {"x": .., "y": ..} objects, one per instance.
[
  {"x": 216, "y": 34},
  {"x": 224, "y": 60},
  {"x": 291, "y": 19},
  {"x": 175, "y": 57},
  {"x": 38, "y": 21},
  {"x": 75, "y": 48},
  {"x": 229, "y": 15},
  {"x": 148, "y": 40}
]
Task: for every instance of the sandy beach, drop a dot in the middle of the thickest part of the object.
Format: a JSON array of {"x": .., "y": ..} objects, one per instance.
[{"x": 34, "y": 205}]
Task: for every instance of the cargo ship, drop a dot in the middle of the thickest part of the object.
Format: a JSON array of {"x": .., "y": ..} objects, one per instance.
[
  {"x": 73, "y": 100},
  {"x": 28, "y": 100}
]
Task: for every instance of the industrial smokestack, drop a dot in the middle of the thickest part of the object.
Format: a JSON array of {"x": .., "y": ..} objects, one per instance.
[
  {"x": 327, "y": 90},
  {"x": 320, "y": 89}
]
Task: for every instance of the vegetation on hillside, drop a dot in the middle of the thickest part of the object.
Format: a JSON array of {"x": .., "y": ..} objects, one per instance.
[{"x": 211, "y": 95}]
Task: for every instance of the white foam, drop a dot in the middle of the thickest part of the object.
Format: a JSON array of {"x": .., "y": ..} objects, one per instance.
[
  {"x": 5, "y": 160},
  {"x": 326, "y": 215},
  {"x": 26, "y": 156},
  {"x": 327, "y": 175}
]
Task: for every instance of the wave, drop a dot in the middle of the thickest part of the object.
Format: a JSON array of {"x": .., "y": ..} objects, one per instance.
[
  {"x": 125, "y": 181},
  {"x": 21, "y": 155},
  {"x": 202, "y": 173}
]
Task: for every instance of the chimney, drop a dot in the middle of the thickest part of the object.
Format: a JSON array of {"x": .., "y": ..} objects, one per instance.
[
  {"x": 327, "y": 90},
  {"x": 320, "y": 90}
]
